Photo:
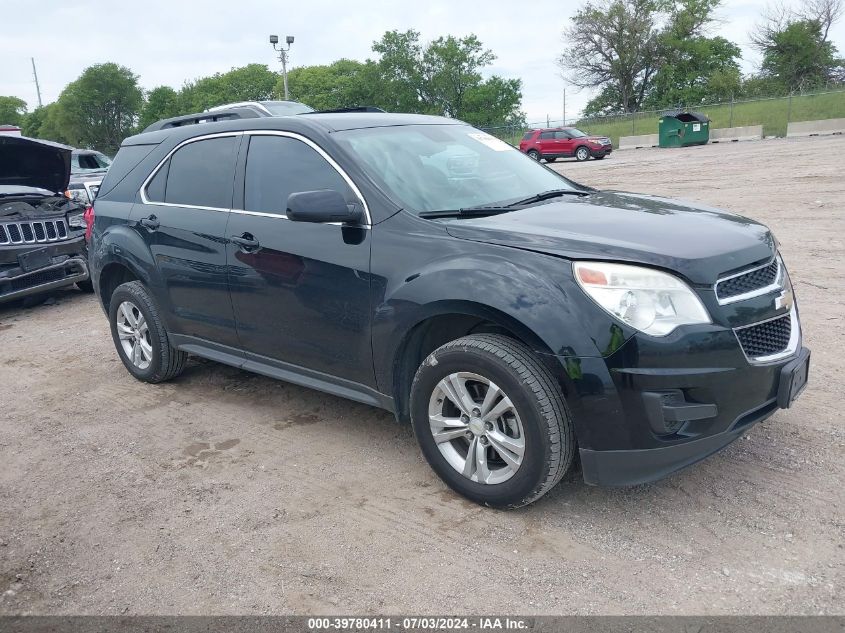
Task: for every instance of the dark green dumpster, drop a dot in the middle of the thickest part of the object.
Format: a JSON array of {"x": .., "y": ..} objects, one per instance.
[{"x": 680, "y": 129}]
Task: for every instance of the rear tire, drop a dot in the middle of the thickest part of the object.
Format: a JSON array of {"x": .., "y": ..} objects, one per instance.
[
  {"x": 522, "y": 435},
  {"x": 533, "y": 153},
  {"x": 139, "y": 335}
]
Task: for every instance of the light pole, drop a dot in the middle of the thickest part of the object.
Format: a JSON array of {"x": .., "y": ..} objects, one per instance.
[{"x": 283, "y": 57}]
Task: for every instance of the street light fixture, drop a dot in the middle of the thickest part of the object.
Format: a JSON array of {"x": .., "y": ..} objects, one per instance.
[{"x": 283, "y": 57}]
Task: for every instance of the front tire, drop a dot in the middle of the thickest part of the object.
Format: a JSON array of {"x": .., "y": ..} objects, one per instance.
[
  {"x": 582, "y": 154},
  {"x": 491, "y": 421},
  {"x": 139, "y": 335}
]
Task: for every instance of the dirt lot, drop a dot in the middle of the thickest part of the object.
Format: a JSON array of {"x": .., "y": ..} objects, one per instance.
[{"x": 225, "y": 492}]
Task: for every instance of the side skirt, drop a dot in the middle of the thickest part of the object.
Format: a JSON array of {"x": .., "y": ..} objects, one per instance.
[{"x": 282, "y": 371}]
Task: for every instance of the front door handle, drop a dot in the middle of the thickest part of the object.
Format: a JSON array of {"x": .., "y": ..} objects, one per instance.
[
  {"x": 150, "y": 222},
  {"x": 246, "y": 242}
]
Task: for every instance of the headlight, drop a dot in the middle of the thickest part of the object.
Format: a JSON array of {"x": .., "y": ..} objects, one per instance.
[
  {"x": 651, "y": 301},
  {"x": 76, "y": 221},
  {"x": 79, "y": 195}
]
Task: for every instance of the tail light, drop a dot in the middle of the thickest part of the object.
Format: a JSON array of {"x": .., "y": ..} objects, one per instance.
[{"x": 89, "y": 222}]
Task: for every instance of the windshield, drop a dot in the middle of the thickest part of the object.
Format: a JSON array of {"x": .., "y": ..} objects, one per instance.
[
  {"x": 286, "y": 108},
  {"x": 81, "y": 163},
  {"x": 442, "y": 167},
  {"x": 576, "y": 133}
]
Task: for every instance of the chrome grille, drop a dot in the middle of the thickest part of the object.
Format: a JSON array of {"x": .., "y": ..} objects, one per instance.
[
  {"x": 755, "y": 281},
  {"x": 33, "y": 232}
]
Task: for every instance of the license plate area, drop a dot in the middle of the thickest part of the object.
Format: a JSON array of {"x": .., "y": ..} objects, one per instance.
[
  {"x": 793, "y": 379},
  {"x": 33, "y": 260}
]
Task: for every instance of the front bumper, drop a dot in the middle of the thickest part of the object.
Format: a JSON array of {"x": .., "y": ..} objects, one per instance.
[
  {"x": 658, "y": 405},
  {"x": 602, "y": 152},
  {"x": 68, "y": 265}
]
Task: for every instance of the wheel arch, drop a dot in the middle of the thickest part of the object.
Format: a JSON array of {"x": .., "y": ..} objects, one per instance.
[
  {"x": 444, "y": 321},
  {"x": 120, "y": 255}
]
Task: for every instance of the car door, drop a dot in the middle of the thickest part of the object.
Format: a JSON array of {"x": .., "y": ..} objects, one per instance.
[
  {"x": 546, "y": 142},
  {"x": 564, "y": 143},
  {"x": 300, "y": 291},
  {"x": 182, "y": 218}
]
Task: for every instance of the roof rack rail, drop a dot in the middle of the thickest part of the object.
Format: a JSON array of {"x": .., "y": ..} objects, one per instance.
[
  {"x": 203, "y": 117},
  {"x": 341, "y": 110}
]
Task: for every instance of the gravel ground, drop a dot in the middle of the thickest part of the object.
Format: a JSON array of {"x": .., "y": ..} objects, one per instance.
[{"x": 226, "y": 492}]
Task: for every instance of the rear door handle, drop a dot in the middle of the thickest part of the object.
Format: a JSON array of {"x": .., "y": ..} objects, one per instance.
[
  {"x": 246, "y": 242},
  {"x": 151, "y": 222}
]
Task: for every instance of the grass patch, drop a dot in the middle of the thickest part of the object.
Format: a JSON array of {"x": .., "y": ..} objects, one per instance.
[{"x": 772, "y": 114}]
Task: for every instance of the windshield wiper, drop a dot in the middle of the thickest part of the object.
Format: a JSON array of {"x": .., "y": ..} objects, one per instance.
[
  {"x": 547, "y": 195},
  {"x": 467, "y": 212}
]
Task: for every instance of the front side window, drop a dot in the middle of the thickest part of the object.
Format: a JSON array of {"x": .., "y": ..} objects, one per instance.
[
  {"x": 447, "y": 167},
  {"x": 562, "y": 135},
  {"x": 575, "y": 133},
  {"x": 277, "y": 166},
  {"x": 198, "y": 174}
]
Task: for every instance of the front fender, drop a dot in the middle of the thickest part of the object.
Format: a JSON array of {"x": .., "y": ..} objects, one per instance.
[{"x": 536, "y": 293}]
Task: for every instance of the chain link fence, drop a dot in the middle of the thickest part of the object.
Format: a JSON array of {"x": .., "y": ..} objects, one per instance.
[{"x": 773, "y": 113}]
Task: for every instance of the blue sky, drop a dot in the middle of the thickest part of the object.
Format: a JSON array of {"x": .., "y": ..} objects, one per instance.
[{"x": 167, "y": 42}]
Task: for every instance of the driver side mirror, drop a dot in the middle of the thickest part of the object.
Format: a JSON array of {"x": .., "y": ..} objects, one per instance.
[{"x": 322, "y": 206}]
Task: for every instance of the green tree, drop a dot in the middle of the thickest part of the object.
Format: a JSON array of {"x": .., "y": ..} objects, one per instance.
[
  {"x": 614, "y": 46},
  {"x": 798, "y": 56},
  {"x": 649, "y": 54},
  {"x": 12, "y": 111},
  {"x": 341, "y": 84},
  {"x": 99, "y": 109},
  {"x": 254, "y": 82},
  {"x": 442, "y": 77},
  {"x": 495, "y": 101},
  {"x": 694, "y": 68},
  {"x": 43, "y": 123},
  {"x": 161, "y": 103}
]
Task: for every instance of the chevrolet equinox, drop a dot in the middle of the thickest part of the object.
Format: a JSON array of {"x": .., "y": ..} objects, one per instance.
[{"x": 518, "y": 320}]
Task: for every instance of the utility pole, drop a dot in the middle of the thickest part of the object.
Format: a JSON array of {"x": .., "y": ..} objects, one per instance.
[
  {"x": 564, "y": 105},
  {"x": 283, "y": 57},
  {"x": 37, "y": 87}
]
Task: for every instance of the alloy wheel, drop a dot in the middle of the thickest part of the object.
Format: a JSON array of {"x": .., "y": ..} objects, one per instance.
[
  {"x": 476, "y": 428},
  {"x": 134, "y": 335}
]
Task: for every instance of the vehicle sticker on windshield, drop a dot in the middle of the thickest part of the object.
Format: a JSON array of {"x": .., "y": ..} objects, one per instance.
[{"x": 490, "y": 141}]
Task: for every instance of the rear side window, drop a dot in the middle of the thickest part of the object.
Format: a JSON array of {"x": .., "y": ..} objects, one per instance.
[
  {"x": 126, "y": 160},
  {"x": 199, "y": 174},
  {"x": 277, "y": 166},
  {"x": 547, "y": 135}
]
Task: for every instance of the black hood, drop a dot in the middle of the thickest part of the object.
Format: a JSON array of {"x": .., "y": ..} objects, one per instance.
[
  {"x": 698, "y": 242},
  {"x": 29, "y": 162}
]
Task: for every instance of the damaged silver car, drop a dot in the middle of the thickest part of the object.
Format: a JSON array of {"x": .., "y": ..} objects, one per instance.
[{"x": 42, "y": 231}]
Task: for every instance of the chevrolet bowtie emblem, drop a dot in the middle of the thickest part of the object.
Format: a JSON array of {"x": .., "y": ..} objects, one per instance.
[{"x": 784, "y": 299}]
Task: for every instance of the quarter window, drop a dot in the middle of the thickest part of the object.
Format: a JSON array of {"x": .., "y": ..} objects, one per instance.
[
  {"x": 277, "y": 166},
  {"x": 198, "y": 174}
]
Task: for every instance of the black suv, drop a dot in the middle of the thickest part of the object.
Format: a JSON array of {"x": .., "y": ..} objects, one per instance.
[{"x": 414, "y": 263}]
